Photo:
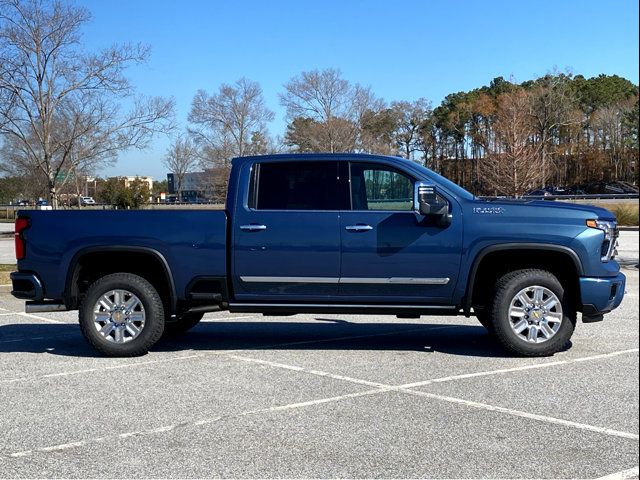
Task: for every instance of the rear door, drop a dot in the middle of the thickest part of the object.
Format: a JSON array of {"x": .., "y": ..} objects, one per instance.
[
  {"x": 389, "y": 253},
  {"x": 286, "y": 236}
]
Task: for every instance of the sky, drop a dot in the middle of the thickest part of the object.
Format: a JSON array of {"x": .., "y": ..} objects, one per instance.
[{"x": 402, "y": 49}]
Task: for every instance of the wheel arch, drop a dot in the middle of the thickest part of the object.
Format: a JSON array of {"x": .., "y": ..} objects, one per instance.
[
  {"x": 72, "y": 288},
  {"x": 560, "y": 251}
]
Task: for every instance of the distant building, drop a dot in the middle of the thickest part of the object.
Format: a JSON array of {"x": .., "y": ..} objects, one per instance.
[
  {"x": 147, "y": 180},
  {"x": 92, "y": 186},
  {"x": 195, "y": 186}
]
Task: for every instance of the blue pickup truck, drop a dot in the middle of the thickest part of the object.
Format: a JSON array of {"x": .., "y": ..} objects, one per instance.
[{"x": 320, "y": 233}]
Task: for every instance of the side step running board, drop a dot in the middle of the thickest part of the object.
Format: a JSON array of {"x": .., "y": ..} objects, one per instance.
[{"x": 49, "y": 306}]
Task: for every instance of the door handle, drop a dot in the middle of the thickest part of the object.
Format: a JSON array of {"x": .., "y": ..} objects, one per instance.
[
  {"x": 358, "y": 228},
  {"x": 253, "y": 228}
]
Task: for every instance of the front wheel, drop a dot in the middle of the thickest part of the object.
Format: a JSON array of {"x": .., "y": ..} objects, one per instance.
[
  {"x": 122, "y": 315},
  {"x": 531, "y": 314}
]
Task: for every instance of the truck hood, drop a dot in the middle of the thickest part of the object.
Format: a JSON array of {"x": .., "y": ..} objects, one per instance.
[{"x": 581, "y": 211}]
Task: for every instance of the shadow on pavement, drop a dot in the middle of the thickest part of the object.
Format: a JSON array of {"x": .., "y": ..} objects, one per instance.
[{"x": 327, "y": 334}]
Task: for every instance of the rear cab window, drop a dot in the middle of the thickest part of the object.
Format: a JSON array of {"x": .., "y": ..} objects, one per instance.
[{"x": 306, "y": 185}]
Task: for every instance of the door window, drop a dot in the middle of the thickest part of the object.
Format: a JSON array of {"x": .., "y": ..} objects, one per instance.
[
  {"x": 303, "y": 185},
  {"x": 378, "y": 187}
]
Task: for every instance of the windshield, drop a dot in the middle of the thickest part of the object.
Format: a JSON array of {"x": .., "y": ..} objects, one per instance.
[{"x": 445, "y": 182}]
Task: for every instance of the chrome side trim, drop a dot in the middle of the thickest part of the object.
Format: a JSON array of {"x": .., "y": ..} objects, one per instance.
[
  {"x": 252, "y": 279},
  {"x": 396, "y": 281},
  {"x": 349, "y": 280}
]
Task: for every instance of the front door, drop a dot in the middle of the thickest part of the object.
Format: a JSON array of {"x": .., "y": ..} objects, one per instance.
[
  {"x": 286, "y": 238},
  {"x": 390, "y": 253}
]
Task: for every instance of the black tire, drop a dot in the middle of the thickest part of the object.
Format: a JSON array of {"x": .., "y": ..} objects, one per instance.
[
  {"x": 183, "y": 324},
  {"x": 153, "y": 311},
  {"x": 484, "y": 317},
  {"x": 505, "y": 291}
]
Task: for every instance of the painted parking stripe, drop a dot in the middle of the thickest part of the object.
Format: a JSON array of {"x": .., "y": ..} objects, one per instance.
[
  {"x": 623, "y": 475},
  {"x": 317, "y": 373},
  {"x": 38, "y": 317},
  {"x": 531, "y": 416},
  {"x": 382, "y": 388},
  {"x": 194, "y": 423},
  {"x": 425, "y": 329},
  {"x": 519, "y": 369},
  {"x": 406, "y": 388}
]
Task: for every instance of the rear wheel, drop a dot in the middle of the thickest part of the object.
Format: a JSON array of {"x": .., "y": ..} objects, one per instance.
[
  {"x": 531, "y": 315},
  {"x": 122, "y": 315},
  {"x": 184, "y": 323}
]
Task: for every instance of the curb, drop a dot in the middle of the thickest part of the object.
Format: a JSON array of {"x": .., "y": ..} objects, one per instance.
[{"x": 628, "y": 229}]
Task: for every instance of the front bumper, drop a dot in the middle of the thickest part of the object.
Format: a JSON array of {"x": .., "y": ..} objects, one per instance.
[{"x": 600, "y": 295}]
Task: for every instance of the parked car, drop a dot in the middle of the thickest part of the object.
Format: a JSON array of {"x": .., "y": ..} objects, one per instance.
[
  {"x": 322, "y": 233},
  {"x": 538, "y": 193},
  {"x": 43, "y": 205},
  {"x": 86, "y": 201}
]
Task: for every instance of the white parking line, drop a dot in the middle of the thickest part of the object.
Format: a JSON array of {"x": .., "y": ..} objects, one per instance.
[
  {"x": 518, "y": 413},
  {"x": 518, "y": 369},
  {"x": 380, "y": 388},
  {"x": 318, "y": 373},
  {"x": 406, "y": 388},
  {"x": 194, "y": 423},
  {"x": 216, "y": 319},
  {"x": 101, "y": 369},
  {"x": 623, "y": 475},
  {"x": 37, "y": 317},
  {"x": 224, "y": 352}
]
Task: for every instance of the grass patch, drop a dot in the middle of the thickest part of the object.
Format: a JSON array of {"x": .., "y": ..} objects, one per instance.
[
  {"x": 5, "y": 269},
  {"x": 627, "y": 215},
  {"x": 626, "y": 212}
]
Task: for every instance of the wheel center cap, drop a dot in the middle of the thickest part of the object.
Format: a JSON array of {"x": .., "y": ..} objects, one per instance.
[{"x": 118, "y": 316}]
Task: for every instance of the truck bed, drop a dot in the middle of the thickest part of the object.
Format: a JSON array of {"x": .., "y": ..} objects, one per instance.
[{"x": 191, "y": 242}]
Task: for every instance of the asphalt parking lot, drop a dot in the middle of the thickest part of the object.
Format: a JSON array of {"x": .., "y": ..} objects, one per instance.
[{"x": 319, "y": 396}]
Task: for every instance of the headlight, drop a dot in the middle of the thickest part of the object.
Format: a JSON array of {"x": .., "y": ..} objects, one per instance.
[{"x": 610, "y": 242}]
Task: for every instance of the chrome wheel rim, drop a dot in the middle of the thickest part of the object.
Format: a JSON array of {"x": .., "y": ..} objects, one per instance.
[
  {"x": 119, "y": 316},
  {"x": 535, "y": 314}
]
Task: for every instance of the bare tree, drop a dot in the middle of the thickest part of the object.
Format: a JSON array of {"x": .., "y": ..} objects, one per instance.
[
  {"x": 551, "y": 108},
  {"x": 411, "y": 120},
  {"x": 59, "y": 105},
  {"x": 333, "y": 108},
  {"x": 512, "y": 164},
  {"x": 181, "y": 158},
  {"x": 227, "y": 123}
]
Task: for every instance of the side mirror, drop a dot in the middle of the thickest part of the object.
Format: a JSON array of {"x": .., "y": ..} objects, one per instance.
[{"x": 426, "y": 202}]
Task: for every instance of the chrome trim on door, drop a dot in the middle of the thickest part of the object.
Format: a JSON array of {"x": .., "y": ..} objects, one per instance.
[
  {"x": 348, "y": 280},
  {"x": 396, "y": 281},
  {"x": 253, "y": 279},
  {"x": 253, "y": 228}
]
